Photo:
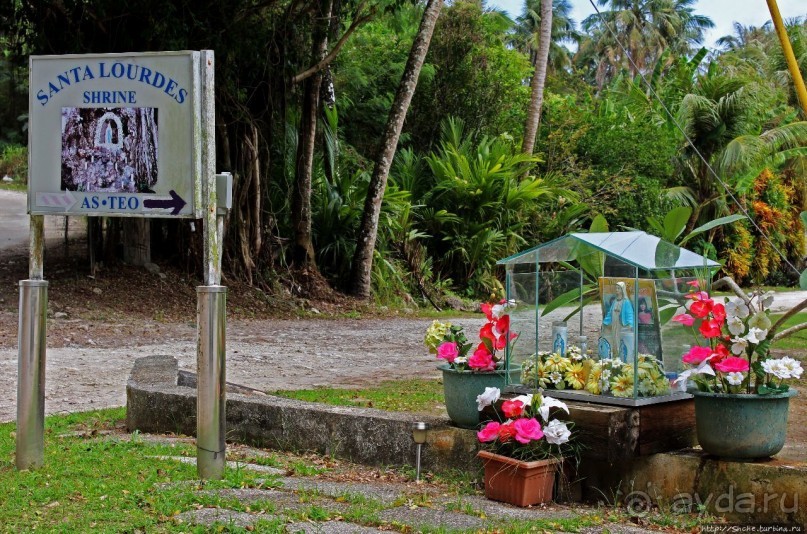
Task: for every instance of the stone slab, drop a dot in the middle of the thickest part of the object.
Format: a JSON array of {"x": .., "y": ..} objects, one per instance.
[
  {"x": 232, "y": 465},
  {"x": 329, "y": 527},
  {"x": 211, "y": 516},
  {"x": 429, "y": 518},
  {"x": 385, "y": 493},
  {"x": 499, "y": 510},
  {"x": 282, "y": 500}
]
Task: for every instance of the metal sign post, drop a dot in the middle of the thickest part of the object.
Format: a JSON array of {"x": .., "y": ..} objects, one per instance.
[
  {"x": 211, "y": 398},
  {"x": 31, "y": 355},
  {"x": 125, "y": 135}
]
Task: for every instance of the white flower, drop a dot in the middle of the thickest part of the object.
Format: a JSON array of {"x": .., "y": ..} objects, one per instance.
[
  {"x": 487, "y": 398},
  {"x": 766, "y": 299},
  {"x": 556, "y": 432},
  {"x": 555, "y": 377},
  {"x": 738, "y": 345},
  {"x": 756, "y": 336},
  {"x": 736, "y": 325},
  {"x": 606, "y": 374},
  {"x": 526, "y": 400},
  {"x": 548, "y": 403},
  {"x": 497, "y": 311},
  {"x": 703, "y": 369},
  {"x": 793, "y": 366},
  {"x": 737, "y": 308},
  {"x": 735, "y": 379},
  {"x": 459, "y": 360},
  {"x": 775, "y": 368},
  {"x": 760, "y": 320}
]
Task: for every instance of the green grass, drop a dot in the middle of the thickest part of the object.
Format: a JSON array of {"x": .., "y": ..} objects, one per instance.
[
  {"x": 411, "y": 395},
  {"x": 102, "y": 484},
  {"x": 13, "y": 186},
  {"x": 797, "y": 341}
]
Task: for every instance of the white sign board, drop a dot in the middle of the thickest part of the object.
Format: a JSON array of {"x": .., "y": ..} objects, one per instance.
[{"x": 115, "y": 135}]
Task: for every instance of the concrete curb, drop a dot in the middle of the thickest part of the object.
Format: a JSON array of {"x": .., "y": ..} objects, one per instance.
[{"x": 160, "y": 398}]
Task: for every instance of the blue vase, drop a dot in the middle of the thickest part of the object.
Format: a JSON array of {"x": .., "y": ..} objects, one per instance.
[{"x": 460, "y": 389}]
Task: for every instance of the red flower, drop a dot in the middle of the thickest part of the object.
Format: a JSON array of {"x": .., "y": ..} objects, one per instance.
[
  {"x": 719, "y": 313},
  {"x": 701, "y": 308},
  {"x": 710, "y": 328},
  {"x": 693, "y": 283},
  {"x": 512, "y": 409},
  {"x": 486, "y": 332},
  {"x": 506, "y": 432},
  {"x": 487, "y": 309}
]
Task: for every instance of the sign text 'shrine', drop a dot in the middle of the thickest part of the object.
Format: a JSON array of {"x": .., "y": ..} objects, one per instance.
[{"x": 111, "y": 70}]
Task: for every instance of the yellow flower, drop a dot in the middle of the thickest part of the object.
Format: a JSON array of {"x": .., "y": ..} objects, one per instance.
[
  {"x": 593, "y": 382},
  {"x": 622, "y": 385},
  {"x": 556, "y": 363},
  {"x": 576, "y": 376}
]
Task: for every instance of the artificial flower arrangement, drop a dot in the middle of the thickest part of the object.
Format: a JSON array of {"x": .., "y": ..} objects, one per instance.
[
  {"x": 615, "y": 377},
  {"x": 529, "y": 432},
  {"x": 449, "y": 342},
  {"x": 550, "y": 370},
  {"x": 735, "y": 358}
]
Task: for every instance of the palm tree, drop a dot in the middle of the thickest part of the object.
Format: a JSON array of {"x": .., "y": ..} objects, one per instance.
[
  {"x": 718, "y": 117},
  {"x": 645, "y": 28},
  {"x": 527, "y": 34},
  {"x": 368, "y": 230},
  {"x": 538, "y": 79},
  {"x": 744, "y": 36}
]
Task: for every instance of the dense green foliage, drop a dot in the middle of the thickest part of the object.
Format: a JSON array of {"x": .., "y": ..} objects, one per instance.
[{"x": 460, "y": 194}]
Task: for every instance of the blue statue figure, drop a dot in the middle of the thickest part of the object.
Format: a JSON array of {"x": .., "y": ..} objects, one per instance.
[{"x": 618, "y": 318}]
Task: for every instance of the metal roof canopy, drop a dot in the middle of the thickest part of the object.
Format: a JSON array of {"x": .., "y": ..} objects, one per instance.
[{"x": 635, "y": 248}]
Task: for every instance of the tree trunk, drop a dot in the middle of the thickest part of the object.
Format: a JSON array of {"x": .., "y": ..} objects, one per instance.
[
  {"x": 136, "y": 241},
  {"x": 303, "y": 247},
  {"x": 368, "y": 231},
  {"x": 538, "y": 79}
]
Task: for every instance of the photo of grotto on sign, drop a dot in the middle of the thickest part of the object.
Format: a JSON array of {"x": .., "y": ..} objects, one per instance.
[{"x": 115, "y": 135}]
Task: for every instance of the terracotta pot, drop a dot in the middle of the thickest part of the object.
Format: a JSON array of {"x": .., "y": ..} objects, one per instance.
[{"x": 516, "y": 482}]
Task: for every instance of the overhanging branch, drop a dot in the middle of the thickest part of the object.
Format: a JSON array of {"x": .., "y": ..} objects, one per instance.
[{"x": 325, "y": 61}]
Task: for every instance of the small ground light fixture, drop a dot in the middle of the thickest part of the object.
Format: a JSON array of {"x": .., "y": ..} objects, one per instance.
[{"x": 419, "y": 435}]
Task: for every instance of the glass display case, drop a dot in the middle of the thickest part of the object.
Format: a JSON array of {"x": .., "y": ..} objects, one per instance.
[{"x": 594, "y": 316}]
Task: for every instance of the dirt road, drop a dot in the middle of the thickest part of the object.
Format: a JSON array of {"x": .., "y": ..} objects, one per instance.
[{"x": 264, "y": 355}]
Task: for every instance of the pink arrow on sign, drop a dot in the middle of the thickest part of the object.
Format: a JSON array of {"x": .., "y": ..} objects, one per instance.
[{"x": 63, "y": 200}]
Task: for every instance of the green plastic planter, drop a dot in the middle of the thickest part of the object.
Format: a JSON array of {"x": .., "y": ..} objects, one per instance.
[
  {"x": 742, "y": 427},
  {"x": 461, "y": 388}
]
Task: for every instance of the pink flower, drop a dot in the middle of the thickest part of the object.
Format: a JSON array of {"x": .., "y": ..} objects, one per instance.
[
  {"x": 693, "y": 283},
  {"x": 697, "y": 354},
  {"x": 732, "y": 364},
  {"x": 685, "y": 319},
  {"x": 710, "y": 328},
  {"x": 527, "y": 430},
  {"x": 448, "y": 351},
  {"x": 481, "y": 360},
  {"x": 512, "y": 408},
  {"x": 489, "y": 433}
]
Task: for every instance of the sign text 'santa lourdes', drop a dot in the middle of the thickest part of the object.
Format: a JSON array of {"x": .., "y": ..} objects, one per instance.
[{"x": 117, "y": 70}]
